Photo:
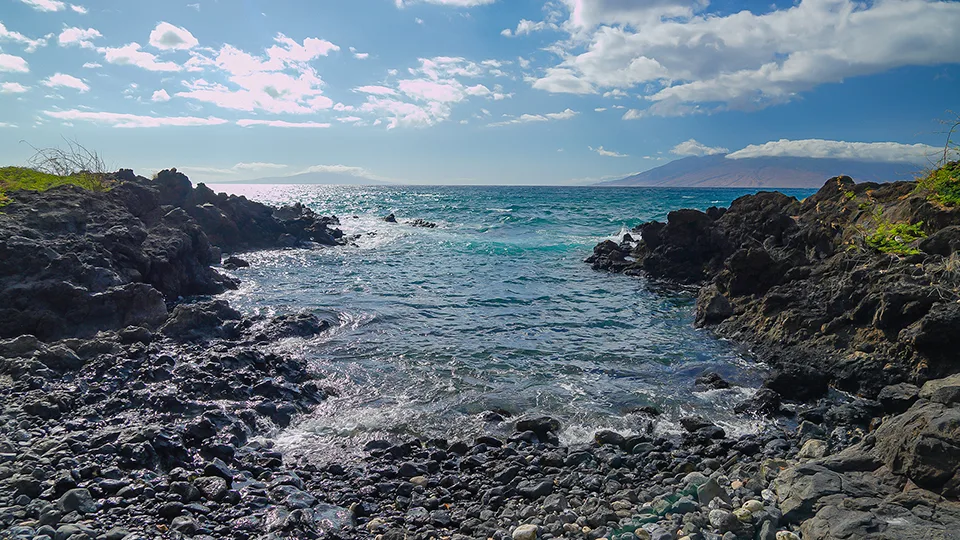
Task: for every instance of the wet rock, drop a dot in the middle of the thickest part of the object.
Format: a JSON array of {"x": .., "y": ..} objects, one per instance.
[
  {"x": 712, "y": 306},
  {"x": 711, "y": 490},
  {"x": 711, "y": 381},
  {"x": 233, "y": 262},
  {"x": 764, "y": 402},
  {"x": 199, "y": 321},
  {"x": 390, "y": 218},
  {"x": 422, "y": 223}
]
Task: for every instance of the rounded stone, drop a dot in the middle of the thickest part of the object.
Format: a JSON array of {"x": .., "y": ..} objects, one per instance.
[{"x": 525, "y": 532}]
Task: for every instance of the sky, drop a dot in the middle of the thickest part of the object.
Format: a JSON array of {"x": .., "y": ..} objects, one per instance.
[{"x": 473, "y": 91}]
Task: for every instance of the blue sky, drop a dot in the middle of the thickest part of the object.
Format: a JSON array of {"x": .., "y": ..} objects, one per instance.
[{"x": 473, "y": 91}]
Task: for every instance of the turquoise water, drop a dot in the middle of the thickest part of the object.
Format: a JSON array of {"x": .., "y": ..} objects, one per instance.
[{"x": 493, "y": 309}]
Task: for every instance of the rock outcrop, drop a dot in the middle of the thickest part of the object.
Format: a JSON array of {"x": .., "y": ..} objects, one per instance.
[
  {"x": 73, "y": 262},
  {"x": 794, "y": 281}
]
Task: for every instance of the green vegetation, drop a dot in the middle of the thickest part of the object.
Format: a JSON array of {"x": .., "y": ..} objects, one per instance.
[
  {"x": 896, "y": 238},
  {"x": 14, "y": 178},
  {"x": 942, "y": 185},
  {"x": 50, "y": 167}
]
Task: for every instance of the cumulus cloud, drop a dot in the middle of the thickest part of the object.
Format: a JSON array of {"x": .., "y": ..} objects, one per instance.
[
  {"x": 169, "y": 37},
  {"x": 78, "y": 36},
  {"x": 359, "y": 55},
  {"x": 92, "y": 65},
  {"x": 12, "y": 88},
  {"x": 45, "y": 5},
  {"x": 281, "y": 124},
  {"x": 281, "y": 82},
  {"x": 14, "y": 64},
  {"x": 684, "y": 61},
  {"x": 820, "y": 148},
  {"x": 453, "y": 3},
  {"x": 123, "y": 120},
  {"x": 30, "y": 45},
  {"x": 376, "y": 90},
  {"x": 65, "y": 81},
  {"x": 693, "y": 147},
  {"x": 160, "y": 96},
  {"x": 528, "y": 27},
  {"x": 78, "y": 9},
  {"x": 527, "y": 118},
  {"x": 606, "y": 153},
  {"x": 131, "y": 55}
]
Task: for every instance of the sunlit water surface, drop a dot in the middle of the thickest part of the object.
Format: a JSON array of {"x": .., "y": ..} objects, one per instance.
[{"x": 493, "y": 309}]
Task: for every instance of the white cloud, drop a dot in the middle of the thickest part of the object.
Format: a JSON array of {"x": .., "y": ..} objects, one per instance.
[
  {"x": 283, "y": 82},
  {"x": 78, "y": 36},
  {"x": 402, "y": 114},
  {"x": 258, "y": 165},
  {"x": 92, "y": 65},
  {"x": 78, "y": 9},
  {"x": 600, "y": 109},
  {"x": 8, "y": 62},
  {"x": 376, "y": 90},
  {"x": 12, "y": 88},
  {"x": 359, "y": 172},
  {"x": 281, "y": 124},
  {"x": 160, "y": 96},
  {"x": 65, "y": 81},
  {"x": 694, "y": 148},
  {"x": 131, "y": 55},
  {"x": 7, "y": 125},
  {"x": 606, "y": 153},
  {"x": 169, "y": 37},
  {"x": 449, "y": 91},
  {"x": 564, "y": 81},
  {"x": 528, "y": 27},
  {"x": 122, "y": 120},
  {"x": 194, "y": 6},
  {"x": 526, "y": 118},
  {"x": 31, "y": 45},
  {"x": 819, "y": 148},
  {"x": 452, "y": 3},
  {"x": 45, "y": 5},
  {"x": 359, "y": 55},
  {"x": 349, "y": 119},
  {"x": 683, "y": 61}
]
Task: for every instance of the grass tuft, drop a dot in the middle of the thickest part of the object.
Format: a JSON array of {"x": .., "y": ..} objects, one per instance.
[
  {"x": 896, "y": 238},
  {"x": 16, "y": 178}
]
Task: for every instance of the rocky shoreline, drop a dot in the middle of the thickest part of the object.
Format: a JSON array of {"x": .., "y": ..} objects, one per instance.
[
  {"x": 134, "y": 406},
  {"x": 804, "y": 288}
]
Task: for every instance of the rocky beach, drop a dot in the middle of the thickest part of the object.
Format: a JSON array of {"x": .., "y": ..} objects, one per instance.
[{"x": 138, "y": 405}]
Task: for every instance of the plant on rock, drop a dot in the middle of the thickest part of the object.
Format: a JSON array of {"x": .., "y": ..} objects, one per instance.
[
  {"x": 943, "y": 184},
  {"x": 896, "y": 238}
]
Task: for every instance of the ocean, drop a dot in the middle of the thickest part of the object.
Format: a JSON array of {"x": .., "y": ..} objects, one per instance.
[{"x": 492, "y": 310}]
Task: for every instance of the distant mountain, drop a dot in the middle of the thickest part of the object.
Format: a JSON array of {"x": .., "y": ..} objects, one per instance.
[
  {"x": 324, "y": 177},
  {"x": 764, "y": 172}
]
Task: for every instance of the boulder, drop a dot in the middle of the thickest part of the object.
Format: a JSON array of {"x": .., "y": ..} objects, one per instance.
[
  {"x": 922, "y": 444},
  {"x": 897, "y": 398},
  {"x": 712, "y": 306},
  {"x": 945, "y": 391}
]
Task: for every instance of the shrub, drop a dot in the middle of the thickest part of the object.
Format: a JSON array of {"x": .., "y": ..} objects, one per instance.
[
  {"x": 943, "y": 184},
  {"x": 896, "y": 238}
]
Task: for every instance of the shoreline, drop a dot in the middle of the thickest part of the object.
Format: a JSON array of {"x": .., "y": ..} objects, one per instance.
[{"x": 153, "y": 427}]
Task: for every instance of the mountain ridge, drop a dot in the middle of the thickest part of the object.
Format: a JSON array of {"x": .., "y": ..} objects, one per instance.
[{"x": 763, "y": 172}]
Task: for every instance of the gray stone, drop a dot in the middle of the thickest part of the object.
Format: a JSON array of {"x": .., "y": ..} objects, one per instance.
[
  {"x": 77, "y": 500},
  {"x": 710, "y": 491},
  {"x": 800, "y": 488},
  {"x": 813, "y": 449},
  {"x": 213, "y": 488}
]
